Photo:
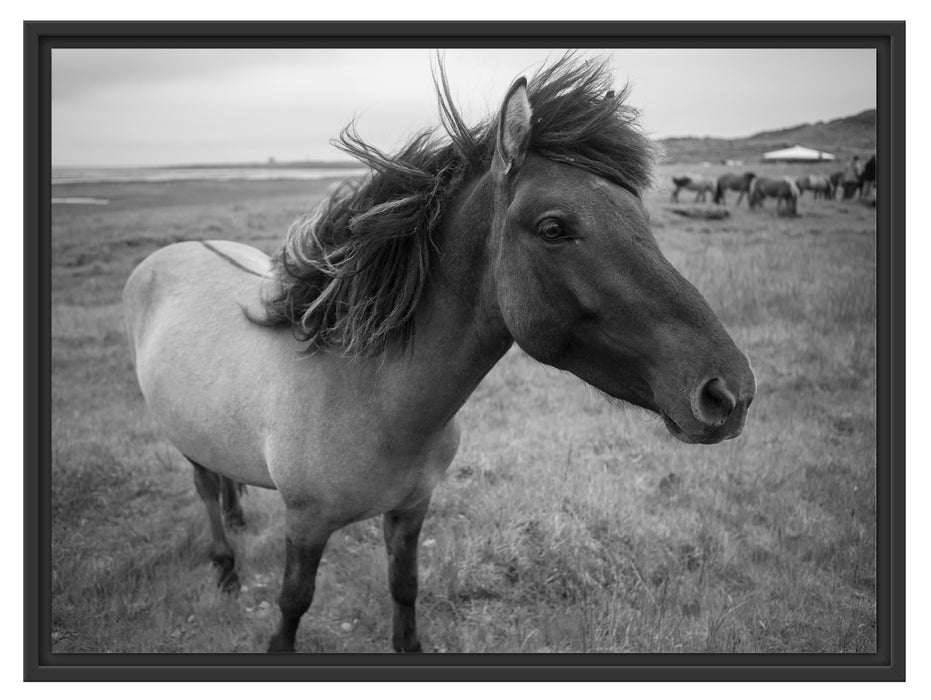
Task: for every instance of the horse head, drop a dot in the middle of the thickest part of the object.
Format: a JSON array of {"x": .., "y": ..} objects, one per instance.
[{"x": 580, "y": 284}]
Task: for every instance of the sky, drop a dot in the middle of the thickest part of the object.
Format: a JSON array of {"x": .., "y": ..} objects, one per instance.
[{"x": 113, "y": 107}]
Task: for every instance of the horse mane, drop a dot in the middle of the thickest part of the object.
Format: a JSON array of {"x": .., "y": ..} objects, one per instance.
[{"x": 352, "y": 273}]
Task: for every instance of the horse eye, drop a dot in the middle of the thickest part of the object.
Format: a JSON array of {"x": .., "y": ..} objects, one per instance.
[{"x": 551, "y": 230}]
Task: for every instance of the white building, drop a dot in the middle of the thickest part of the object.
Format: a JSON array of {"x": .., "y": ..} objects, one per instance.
[{"x": 798, "y": 154}]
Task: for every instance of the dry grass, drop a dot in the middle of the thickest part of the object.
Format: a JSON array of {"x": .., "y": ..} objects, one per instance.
[{"x": 564, "y": 524}]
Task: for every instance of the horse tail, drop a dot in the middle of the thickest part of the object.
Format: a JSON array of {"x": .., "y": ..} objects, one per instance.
[{"x": 718, "y": 192}]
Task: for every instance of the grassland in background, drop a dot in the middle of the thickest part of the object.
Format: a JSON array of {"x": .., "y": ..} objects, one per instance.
[{"x": 565, "y": 524}]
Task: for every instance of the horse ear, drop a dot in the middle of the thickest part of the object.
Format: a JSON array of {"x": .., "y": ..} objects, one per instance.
[{"x": 513, "y": 130}]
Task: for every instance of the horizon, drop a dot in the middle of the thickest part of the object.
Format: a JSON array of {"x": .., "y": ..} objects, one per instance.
[
  {"x": 120, "y": 108},
  {"x": 348, "y": 163}
]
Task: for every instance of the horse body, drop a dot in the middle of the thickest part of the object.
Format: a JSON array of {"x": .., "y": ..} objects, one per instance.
[
  {"x": 699, "y": 184},
  {"x": 784, "y": 189},
  {"x": 245, "y": 362},
  {"x": 820, "y": 185},
  {"x": 356, "y": 437},
  {"x": 733, "y": 181},
  {"x": 179, "y": 303},
  {"x": 836, "y": 179}
]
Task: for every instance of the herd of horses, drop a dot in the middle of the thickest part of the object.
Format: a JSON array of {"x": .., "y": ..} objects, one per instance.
[{"x": 785, "y": 190}]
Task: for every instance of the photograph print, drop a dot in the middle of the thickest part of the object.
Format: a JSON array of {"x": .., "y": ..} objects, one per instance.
[{"x": 464, "y": 351}]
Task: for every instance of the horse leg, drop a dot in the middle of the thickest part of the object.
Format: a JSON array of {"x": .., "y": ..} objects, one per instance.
[
  {"x": 402, "y": 529},
  {"x": 305, "y": 540},
  {"x": 230, "y": 491},
  {"x": 675, "y": 195},
  {"x": 221, "y": 553}
]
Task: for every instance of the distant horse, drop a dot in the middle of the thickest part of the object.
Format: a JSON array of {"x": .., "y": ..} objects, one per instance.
[
  {"x": 334, "y": 371},
  {"x": 696, "y": 183},
  {"x": 783, "y": 189},
  {"x": 733, "y": 181},
  {"x": 868, "y": 178},
  {"x": 820, "y": 185},
  {"x": 836, "y": 179}
]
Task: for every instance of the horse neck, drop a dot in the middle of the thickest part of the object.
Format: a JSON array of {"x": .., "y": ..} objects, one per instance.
[{"x": 459, "y": 334}]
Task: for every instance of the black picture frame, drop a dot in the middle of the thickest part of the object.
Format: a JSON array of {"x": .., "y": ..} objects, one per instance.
[{"x": 887, "y": 38}]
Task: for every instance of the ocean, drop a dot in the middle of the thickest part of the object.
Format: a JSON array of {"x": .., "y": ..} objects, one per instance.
[{"x": 75, "y": 176}]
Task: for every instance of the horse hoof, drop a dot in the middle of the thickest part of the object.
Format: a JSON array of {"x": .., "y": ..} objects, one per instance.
[
  {"x": 409, "y": 648},
  {"x": 279, "y": 646}
]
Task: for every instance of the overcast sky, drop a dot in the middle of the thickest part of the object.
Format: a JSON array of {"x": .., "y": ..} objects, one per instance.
[{"x": 161, "y": 106}]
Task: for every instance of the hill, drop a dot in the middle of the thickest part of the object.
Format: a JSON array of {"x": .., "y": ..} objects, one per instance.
[{"x": 855, "y": 134}]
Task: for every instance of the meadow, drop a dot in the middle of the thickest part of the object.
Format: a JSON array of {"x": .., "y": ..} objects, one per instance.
[{"x": 565, "y": 523}]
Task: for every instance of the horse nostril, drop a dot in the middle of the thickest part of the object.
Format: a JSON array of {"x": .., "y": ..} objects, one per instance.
[{"x": 712, "y": 403}]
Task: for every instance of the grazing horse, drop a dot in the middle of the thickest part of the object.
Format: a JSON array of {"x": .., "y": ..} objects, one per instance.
[
  {"x": 783, "y": 189},
  {"x": 696, "y": 183},
  {"x": 733, "y": 181},
  {"x": 334, "y": 371},
  {"x": 820, "y": 185}
]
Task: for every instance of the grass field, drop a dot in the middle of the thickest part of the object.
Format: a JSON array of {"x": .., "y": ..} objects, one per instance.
[{"x": 565, "y": 524}]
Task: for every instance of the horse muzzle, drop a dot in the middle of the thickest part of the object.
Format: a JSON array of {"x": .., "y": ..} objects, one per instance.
[{"x": 717, "y": 412}]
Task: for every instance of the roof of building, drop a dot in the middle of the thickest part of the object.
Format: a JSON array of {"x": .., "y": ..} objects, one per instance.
[{"x": 798, "y": 152}]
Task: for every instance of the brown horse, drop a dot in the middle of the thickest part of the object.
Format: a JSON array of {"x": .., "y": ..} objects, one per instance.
[
  {"x": 335, "y": 370},
  {"x": 867, "y": 182},
  {"x": 783, "y": 189},
  {"x": 733, "y": 181},
  {"x": 699, "y": 184}
]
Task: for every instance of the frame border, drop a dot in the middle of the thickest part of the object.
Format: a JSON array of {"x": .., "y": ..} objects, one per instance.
[{"x": 888, "y": 664}]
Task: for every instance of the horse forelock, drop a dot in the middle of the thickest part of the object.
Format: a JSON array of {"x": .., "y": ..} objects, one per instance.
[
  {"x": 352, "y": 273},
  {"x": 581, "y": 118}
]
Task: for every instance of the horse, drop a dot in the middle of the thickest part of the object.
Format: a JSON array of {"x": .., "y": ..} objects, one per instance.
[
  {"x": 783, "y": 189},
  {"x": 696, "y": 183},
  {"x": 733, "y": 181},
  {"x": 868, "y": 178},
  {"x": 835, "y": 179},
  {"x": 334, "y": 370},
  {"x": 820, "y": 185}
]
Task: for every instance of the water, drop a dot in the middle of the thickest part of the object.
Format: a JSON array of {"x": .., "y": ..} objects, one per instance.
[
  {"x": 74, "y": 176},
  {"x": 80, "y": 200}
]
